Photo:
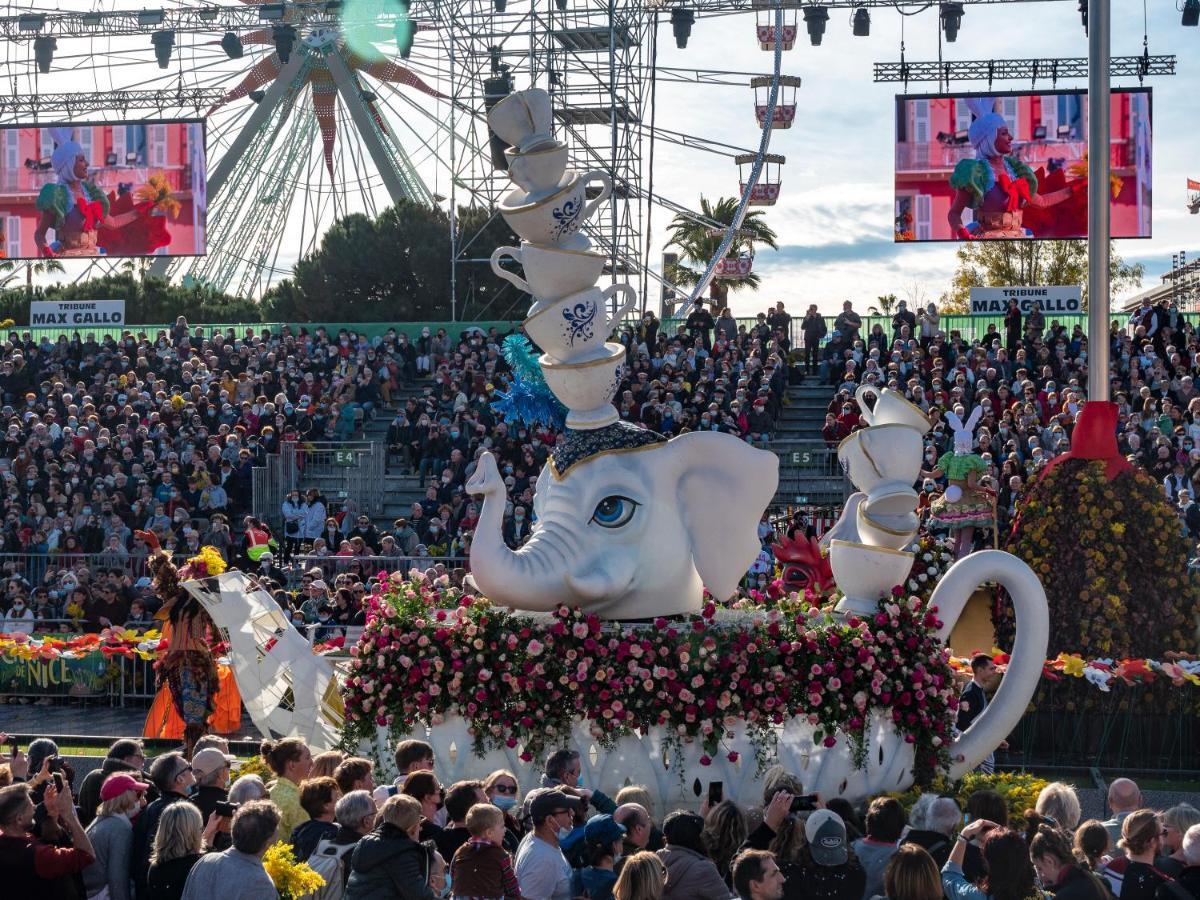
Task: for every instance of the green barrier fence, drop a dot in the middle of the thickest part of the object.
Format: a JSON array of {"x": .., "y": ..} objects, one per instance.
[{"x": 969, "y": 327}]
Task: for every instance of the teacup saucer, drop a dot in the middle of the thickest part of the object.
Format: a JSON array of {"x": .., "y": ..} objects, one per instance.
[{"x": 520, "y": 197}]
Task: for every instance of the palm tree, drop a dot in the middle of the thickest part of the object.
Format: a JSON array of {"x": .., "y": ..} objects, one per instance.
[
  {"x": 887, "y": 303},
  {"x": 698, "y": 244},
  {"x": 41, "y": 267},
  {"x": 10, "y": 267}
]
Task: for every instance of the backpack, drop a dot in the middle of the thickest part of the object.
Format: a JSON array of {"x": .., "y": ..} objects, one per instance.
[{"x": 328, "y": 862}]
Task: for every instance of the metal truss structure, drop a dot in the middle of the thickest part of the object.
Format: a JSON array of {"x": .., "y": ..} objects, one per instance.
[{"x": 1011, "y": 69}]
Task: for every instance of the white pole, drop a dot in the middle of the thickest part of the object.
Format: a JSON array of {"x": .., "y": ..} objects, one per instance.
[{"x": 1099, "y": 144}]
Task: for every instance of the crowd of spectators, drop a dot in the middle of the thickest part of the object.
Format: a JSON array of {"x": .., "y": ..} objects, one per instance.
[
  {"x": 104, "y": 436},
  {"x": 180, "y": 829},
  {"x": 1029, "y": 374}
]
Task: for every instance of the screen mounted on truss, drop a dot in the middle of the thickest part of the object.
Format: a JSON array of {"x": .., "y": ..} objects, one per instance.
[
  {"x": 1013, "y": 166},
  {"x": 94, "y": 189}
]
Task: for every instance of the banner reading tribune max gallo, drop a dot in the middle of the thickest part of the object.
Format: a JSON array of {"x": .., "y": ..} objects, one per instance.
[
  {"x": 993, "y": 301},
  {"x": 76, "y": 313}
]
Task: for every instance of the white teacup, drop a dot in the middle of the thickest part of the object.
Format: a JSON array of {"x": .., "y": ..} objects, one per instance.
[
  {"x": 892, "y": 531},
  {"x": 882, "y": 459},
  {"x": 552, "y": 270},
  {"x": 587, "y": 387},
  {"x": 572, "y": 328},
  {"x": 864, "y": 573},
  {"x": 523, "y": 119},
  {"x": 539, "y": 171},
  {"x": 553, "y": 219},
  {"x": 890, "y": 409}
]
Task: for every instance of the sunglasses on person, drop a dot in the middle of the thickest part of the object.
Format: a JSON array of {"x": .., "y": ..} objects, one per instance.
[{"x": 505, "y": 788}]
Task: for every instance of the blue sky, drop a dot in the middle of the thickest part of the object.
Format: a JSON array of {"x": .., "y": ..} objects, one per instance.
[{"x": 834, "y": 217}]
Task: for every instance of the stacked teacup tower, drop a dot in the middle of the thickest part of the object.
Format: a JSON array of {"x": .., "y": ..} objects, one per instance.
[
  {"x": 883, "y": 460},
  {"x": 568, "y": 318}
]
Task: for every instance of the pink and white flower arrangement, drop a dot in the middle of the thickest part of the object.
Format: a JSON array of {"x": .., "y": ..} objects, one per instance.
[{"x": 521, "y": 680}]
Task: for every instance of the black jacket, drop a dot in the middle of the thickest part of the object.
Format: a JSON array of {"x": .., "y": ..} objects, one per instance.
[
  {"x": 1075, "y": 883},
  {"x": 166, "y": 881},
  {"x": 145, "y": 827},
  {"x": 307, "y": 835},
  {"x": 934, "y": 843},
  {"x": 206, "y": 800},
  {"x": 389, "y": 865},
  {"x": 1188, "y": 880},
  {"x": 805, "y": 880}
]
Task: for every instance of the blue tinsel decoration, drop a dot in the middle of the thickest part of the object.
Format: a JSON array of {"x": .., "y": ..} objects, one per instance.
[{"x": 528, "y": 399}]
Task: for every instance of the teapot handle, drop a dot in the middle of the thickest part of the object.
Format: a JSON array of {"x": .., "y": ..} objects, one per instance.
[
  {"x": 1029, "y": 650},
  {"x": 864, "y": 390}
]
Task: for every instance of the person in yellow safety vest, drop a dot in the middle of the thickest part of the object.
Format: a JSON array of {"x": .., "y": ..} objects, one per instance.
[{"x": 258, "y": 539}]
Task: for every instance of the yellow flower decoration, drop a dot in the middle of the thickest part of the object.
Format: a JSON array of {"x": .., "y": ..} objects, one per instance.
[
  {"x": 1072, "y": 664},
  {"x": 291, "y": 879},
  {"x": 213, "y": 562},
  {"x": 158, "y": 192}
]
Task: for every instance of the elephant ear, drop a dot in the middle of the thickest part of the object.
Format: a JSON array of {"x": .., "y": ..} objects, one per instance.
[{"x": 724, "y": 486}]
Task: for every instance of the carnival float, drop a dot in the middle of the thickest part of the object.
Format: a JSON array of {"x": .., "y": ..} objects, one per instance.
[{"x": 609, "y": 629}]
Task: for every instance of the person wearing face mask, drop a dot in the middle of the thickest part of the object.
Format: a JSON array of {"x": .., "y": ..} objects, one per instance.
[
  {"x": 111, "y": 833},
  {"x": 542, "y": 871},
  {"x": 602, "y": 840},
  {"x": 503, "y": 792},
  {"x": 295, "y": 514},
  {"x": 516, "y": 529},
  {"x": 19, "y": 619}
]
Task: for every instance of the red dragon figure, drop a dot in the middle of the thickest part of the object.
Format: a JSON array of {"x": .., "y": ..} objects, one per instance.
[{"x": 804, "y": 568}]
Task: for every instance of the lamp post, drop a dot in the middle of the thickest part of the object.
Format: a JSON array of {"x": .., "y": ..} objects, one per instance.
[{"x": 1099, "y": 301}]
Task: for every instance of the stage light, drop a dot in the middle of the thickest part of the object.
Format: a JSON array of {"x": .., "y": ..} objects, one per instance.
[
  {"x": 369, "y": 96},
  {"x": 208, "y": 14},
  {"x": 164, "y": 43},
  {"x": 495, "y": 89},
  {"x": 31, "y": 22},
  {"x": 815, "y": 18},
  {"x": 232, "y": 45},
  {"x": 951, "y": 15},
  {"x": 271, "y": 12},
  {"x": 501, "y": 5},
  {"x": 1191, "y": 13},
  {"x": 1083, "y": 14},
  {"x": 256, "y": 96},
  {"x": 561, "y": 4},
  {"x": 284, "y": 37},
  {"x": 862, "y": 22},
  {"x": 147, "y": 18},
  {"x": 43, "y": 51},
  {"x": 682, "y": 20},
  {"x": 91, "y": 19}
]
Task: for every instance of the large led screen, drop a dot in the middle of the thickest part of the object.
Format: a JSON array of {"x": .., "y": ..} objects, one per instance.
[
  {"x": 88, "y": 189},
  {"x": 1012, "y": 166}
]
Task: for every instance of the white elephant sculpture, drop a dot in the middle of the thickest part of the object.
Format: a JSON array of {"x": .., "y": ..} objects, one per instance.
[{"x": 624, "y": 534}]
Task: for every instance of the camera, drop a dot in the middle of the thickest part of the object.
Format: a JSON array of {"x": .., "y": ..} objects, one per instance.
[
  {"x": 225, "y": 809},
  {"x": 803, "y": 803},
  {"x": 56, "y": 764}
]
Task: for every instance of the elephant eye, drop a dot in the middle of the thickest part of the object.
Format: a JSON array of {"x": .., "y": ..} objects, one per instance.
[{"x": 614, "y": 511}]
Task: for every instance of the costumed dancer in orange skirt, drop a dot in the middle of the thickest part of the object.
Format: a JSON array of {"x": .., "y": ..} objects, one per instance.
[{"x": 188, "y": 671}]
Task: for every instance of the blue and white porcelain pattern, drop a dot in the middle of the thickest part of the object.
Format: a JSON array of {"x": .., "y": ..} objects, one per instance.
[
  {"x": 568, "y": 218},
  {"x": 579, "y": 322}
]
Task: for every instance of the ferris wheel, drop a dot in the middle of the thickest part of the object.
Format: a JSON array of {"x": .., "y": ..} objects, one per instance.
[{"x": 316, "y": 109}]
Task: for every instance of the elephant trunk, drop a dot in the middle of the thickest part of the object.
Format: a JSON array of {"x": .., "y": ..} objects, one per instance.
[
  {"x": 529, "y": 578},
  {"x": 532, "y": 577}
]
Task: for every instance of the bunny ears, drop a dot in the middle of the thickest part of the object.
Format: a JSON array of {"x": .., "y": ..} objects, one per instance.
[{"x": 964, "y": 432}]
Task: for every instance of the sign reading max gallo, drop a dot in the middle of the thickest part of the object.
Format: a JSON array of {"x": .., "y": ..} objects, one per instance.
[
  {"x": 76, "y": 312},
  {"x": 992, "y": 301}
]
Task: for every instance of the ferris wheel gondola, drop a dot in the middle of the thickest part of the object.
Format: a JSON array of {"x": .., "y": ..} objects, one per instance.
[
  {"x": 783, "y": 112},
  {"x": 766, "y": 191},
  {"x": 766, "y": 32}
]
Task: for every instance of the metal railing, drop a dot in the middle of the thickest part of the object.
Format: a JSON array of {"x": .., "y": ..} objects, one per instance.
[{"x": 357, "y": 467}]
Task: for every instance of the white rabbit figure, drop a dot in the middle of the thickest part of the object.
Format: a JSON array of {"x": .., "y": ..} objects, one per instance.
[{"x": 962, "y": 507}]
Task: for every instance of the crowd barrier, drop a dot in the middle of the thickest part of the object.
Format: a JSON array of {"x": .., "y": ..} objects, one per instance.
[{"x": 968, "y": 326}]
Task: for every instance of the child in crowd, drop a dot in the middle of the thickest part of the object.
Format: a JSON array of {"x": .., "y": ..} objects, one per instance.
[{"x": 481, "y": 868}]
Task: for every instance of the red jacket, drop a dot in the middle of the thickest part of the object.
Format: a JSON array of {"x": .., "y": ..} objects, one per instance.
[{"x": 27, "y": 864}]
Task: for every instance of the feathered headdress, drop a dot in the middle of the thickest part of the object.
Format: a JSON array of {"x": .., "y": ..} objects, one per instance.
[{"x": 528, "y": 398}]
